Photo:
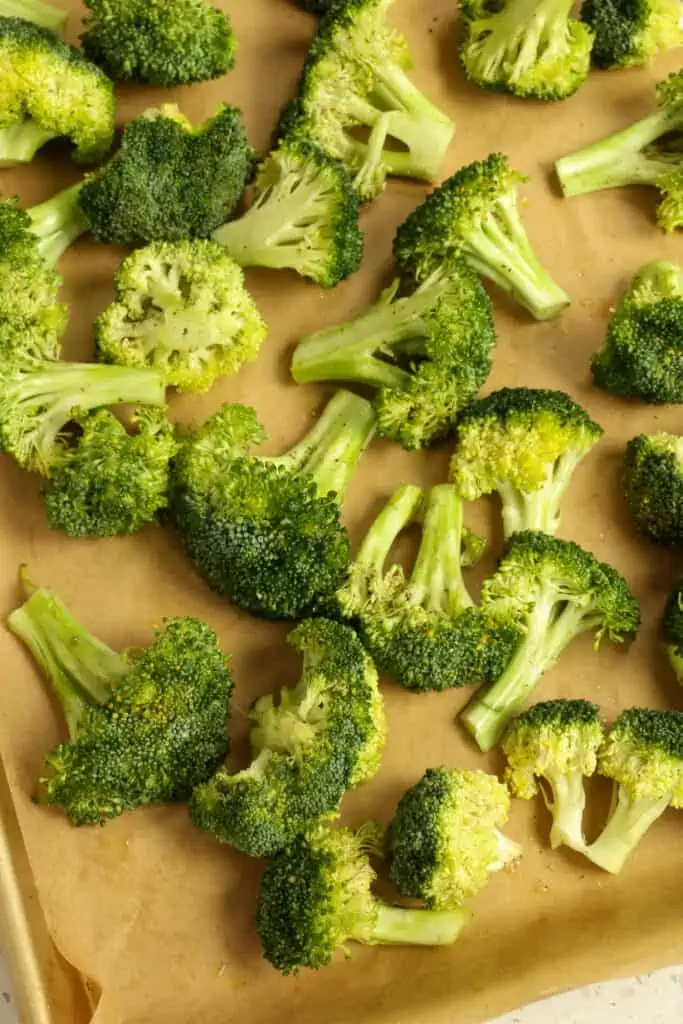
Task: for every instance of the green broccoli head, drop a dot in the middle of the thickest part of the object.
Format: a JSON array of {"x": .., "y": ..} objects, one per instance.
[
  {"x": 159, "y": 43},
  {"x": 552, "y": 747},
  {"x": 183, "y": 309},
  {"x": 304, "y": 217},
  {"x": 525, "y": 444},
  {"x": 50, "y": 91},
  {"x": 170, "y": 180},
  {"x": 445, "y": 839},
  {"x": 653, "y": 483},
  {"x": 37, "y": 11},
  {"x": 629, "y": 33},
  {"x": 673, "y": 629},
  {"x": 474, "y": 213},
  {"x": 527, "y": 49},
  {"x": 355, "y": 76},
  {"x": 321, "y": 738},
  {"x": 643, "y": 353}
]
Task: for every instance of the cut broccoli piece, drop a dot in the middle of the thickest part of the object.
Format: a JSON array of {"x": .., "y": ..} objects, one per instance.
[
  {"x": 183, "y": 309},
  {"x": 643, "y": 755},
  {"x": 50, "y": 91},
  {"x": 266, "y": 532},
  {"x": 673, "y": 630},
  {"x": 550, "y": 591},
  {"x": 316, "y": 898},
  {"x": 43, "y": 14},
  {"x": 324, "y": 736},
  {"x": 552, "y": 747},
  {"x": 643, "y": 352},
  {"x": 526, "y": 48},
  {"x": 57, "y": 223},
  {"x": 170, "y": 180},
  {"x": 145, "y": 727},
  {"x": 445, "y": 839},
  {"x": 474, "y": 212},
  {"x": 304, "y": 217},
  {"x": 159, "y": 43},
  {"x": 427, "y": 350},
  {"x": 111, "y": 482},
  {"x": 525, "y": 444},
  {"x": 629, "y": 33},
  {"x": 649, "y": 152},
  {"x": 653, "y": 482},
  {"x": 355, "y": 77}
]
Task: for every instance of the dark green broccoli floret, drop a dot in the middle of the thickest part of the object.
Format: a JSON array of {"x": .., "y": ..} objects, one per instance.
[
  {"x": 50, "y": 91},
  {"x": 525, "y": 444},
  {"x": 169, "y": 180},
  {"x": 159, "y": 42},
  {"x": 355, "y": 77},
  {"x": 649, "y": 152},
  {"x": 474, "y": 213},
  {"x": 643, "y": 353},
  {"x": 145, "y": 727},
  {"x": 303, "y": 217},
  {"x": 322, "y": 737},
  {"x": 37, "y": 11},
  {"x": 316, "y": 898},
  {"x": 643, "y": 755},
  {"x": 426, "y": 349},
  {"x": 111, "y": 482},
  {"x": 673, "y": 630},
  {"x": 315, "y": 6},
  {"x": 550, "y": 591},
  {"x": 631, "y": 32},
  {"x": 653, "y": 482},
  {"x": 445, "y": 839},
  {"x": 183, "y": 309},
  {"x": 525, "y": 47},
  {"x": 552, "y": 747}
]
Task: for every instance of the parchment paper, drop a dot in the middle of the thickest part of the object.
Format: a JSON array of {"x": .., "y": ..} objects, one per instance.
[{"x": 158, "y": 915}]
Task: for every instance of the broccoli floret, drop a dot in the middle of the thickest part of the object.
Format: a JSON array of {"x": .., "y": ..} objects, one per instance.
[
  {"x": 50, "y": 91},
  {"x": 552, "y": 747},
  {"x": 170, "y": 180},
  {"x": 183, "y": 309},
  {"x": 304, "y": 217},
  {"x": 316, "y": 898},
  {"x": 629, "y": 33},
  {"x": 315, "y": 6},
  {"x": 355, "y": 77},
  {"x": 550, "y": 591},
  {"x": 322, "y": 737},
  {"x": 673, "y": 630},
  {"x": 526, "y": 48},
  {"x": 643, "y": 353},
  {"x": 266, "y": 532},
  {"x": 36, "y": 11},
  {"x": 159, "y": 43},
  {"x": 474, "y": 212},
  {"x": 525, "y": 444},
  {"x": 426, "y": 349},
  {"x": 643, "y": 755},
  {"x": 111, "y": 482},
  {"x": 653, "y": 482},
  {"x": 445, "y": 839},
  {"x": 649, "y": 152},
  {"x": 144, "y": 727}
]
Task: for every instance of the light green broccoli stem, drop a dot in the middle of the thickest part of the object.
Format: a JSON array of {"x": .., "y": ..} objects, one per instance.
[
  {"x": 539, "y": 509},
  {"x": 630, "y": 819},
  {"x": 42, "y": 14},
  {"x": 399, "y": 926},
  {"x": 519, "y": 35},
  {"x": 20, "y": 142},
  {"x": 566, "y": 804},
  {"x": 436, "y": 582},
  {"x": 402, "y": 509},
  {"x": 58, "y": 222}
]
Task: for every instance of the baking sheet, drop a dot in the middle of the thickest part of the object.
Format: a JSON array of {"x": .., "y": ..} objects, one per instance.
[{"x": 158, "y": 916}]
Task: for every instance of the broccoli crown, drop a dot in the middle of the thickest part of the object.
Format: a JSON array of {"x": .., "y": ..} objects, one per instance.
[
  {"x": 653, "y": 483},
  {"x": 673, "y": 629},
  {"x": 183, "y": 309},
  {"x": 631, "y": 32},
  {"x": 50, "y": 91},
  {"x": 444, "y": 839},
  {"x": 170, "y": 180},
  {"x": 304, "y": 217},
  {"x": 643, "y": 753},
  {"x": 159, "y": 43},
  {"x": 323, "y": 737},
  {"x": 526, "y": 48},
  {"x": 267, "y": 532},
  {"x": 111, "y": 482},
  {"x": 643, "y": 352}
]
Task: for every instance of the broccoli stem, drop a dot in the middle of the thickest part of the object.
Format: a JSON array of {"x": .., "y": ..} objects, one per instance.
[
  {"x": 399, "y": 512},
  {"x": 630, "y": 820},
  {"x": 42, "y": 14},
  {"x": 399, "y": 926},
  {"x": 20, "y": 142},
  {"x": 566, "y": 805},
  {"x": 436, "y": 582},
  {"x": 540, "y": 509},
  {"x": 521, "y": 33},
  {"x": 58, "y": 222}
]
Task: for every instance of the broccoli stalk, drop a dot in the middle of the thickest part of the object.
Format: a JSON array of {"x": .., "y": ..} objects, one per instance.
[
  {"x": 630, "y": 818},
  {"x": 20, "y": 142},
  {"x": 58, "y": 222},
  {"x": 42, "y": 14}
]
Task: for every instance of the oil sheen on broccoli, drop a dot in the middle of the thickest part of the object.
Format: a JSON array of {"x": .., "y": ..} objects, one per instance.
[
  {"x": 629, "y": 33},
  {"x": 653, "y": 483},
  {"x": 672, "y": 629}
]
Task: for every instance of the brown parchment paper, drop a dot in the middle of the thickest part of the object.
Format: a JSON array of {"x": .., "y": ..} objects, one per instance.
[{"x": 159, "y": 916}]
